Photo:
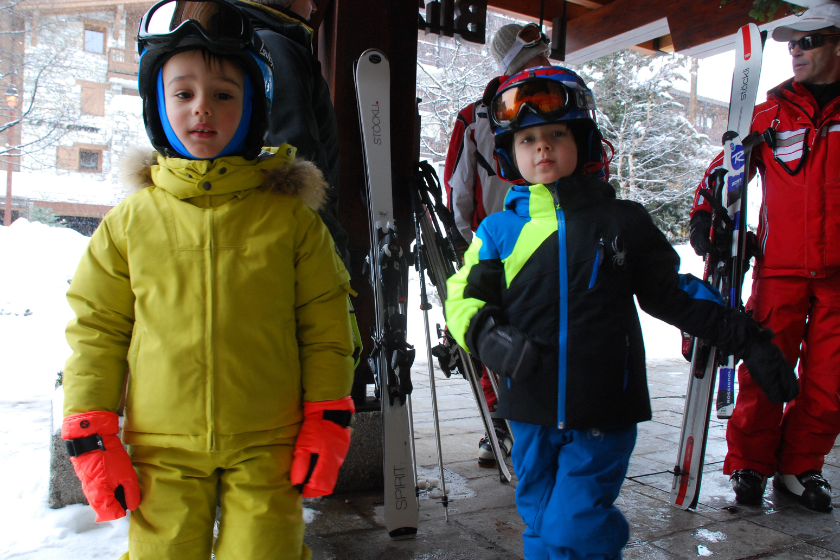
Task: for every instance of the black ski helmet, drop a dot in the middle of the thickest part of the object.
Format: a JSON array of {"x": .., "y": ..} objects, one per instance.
[
  {"x": 545, "y": 95},
  {"x": 217, "y": 26}
]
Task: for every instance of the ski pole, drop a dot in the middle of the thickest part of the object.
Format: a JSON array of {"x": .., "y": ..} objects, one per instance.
[{"x": 425, "y": 306}]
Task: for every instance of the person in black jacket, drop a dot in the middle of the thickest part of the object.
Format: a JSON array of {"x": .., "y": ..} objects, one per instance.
[
  {"x": 302, "y": 112},
  {"x": 545, "y": 299}
]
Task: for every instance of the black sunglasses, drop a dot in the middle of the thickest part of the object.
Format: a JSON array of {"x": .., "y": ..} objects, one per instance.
[{"x": 812, "y": 41}]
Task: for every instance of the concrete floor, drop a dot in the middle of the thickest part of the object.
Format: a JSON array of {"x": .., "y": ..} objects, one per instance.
[{"x": 484, "y": 524}]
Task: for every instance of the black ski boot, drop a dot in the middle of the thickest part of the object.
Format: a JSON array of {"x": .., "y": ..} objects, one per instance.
[
  {"x": 485, "y": 450},
  {"x": 813, "y": 491},
  {"x": 749, "y": 486}
]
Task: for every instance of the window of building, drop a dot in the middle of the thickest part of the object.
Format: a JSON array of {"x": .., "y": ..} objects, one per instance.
[
  {"x": 94, "y": 40},
  {"x": 90, "y": 160},
  {"x": 80, "y": 157}
]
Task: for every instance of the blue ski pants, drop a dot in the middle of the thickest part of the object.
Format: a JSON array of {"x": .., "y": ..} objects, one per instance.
[{"x": 568, "y": 481}]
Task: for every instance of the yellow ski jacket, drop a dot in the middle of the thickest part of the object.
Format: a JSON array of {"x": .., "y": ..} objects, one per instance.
[{"x": 218, "y": 287}]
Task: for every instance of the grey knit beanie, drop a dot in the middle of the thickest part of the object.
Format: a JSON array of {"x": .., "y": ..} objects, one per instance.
[{"x": 502, "y": 42}]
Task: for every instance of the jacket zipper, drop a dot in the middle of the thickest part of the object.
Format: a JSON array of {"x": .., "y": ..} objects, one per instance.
[
  {"x": 564, "y": 312},
  {"x": 599, "y": 256},
  {"x": 208, "y": 341}
]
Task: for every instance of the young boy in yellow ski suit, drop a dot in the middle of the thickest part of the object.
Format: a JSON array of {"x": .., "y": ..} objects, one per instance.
[{"x": 217, "y": 286}]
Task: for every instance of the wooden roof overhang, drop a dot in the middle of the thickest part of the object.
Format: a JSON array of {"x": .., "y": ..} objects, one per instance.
[{"x": 597, "y": 28}]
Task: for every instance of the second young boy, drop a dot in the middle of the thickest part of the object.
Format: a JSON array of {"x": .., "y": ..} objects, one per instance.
[{"x": 546, "y": 300}]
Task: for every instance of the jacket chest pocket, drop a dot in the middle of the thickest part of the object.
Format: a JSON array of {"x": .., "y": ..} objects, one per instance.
[
  {"x": 830, "y": 134},
  {"x": 790, "y": 151},
  {"x": 597, "y": 264}
]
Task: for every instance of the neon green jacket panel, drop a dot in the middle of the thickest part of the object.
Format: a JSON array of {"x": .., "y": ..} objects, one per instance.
[
  {"x": 460, "y": 309},
  {"x": 501, "y": 246},
  {"x": 229, "y": 315}
]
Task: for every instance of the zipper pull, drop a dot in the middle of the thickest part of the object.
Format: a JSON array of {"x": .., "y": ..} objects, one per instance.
[{"x": 553, "y": 190}]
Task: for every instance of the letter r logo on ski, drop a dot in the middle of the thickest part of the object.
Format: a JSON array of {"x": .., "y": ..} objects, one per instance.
[{"x": 737, "y": 157}]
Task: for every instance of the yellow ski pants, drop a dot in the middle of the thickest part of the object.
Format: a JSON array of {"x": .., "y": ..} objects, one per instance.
[{"x": 261, "y": 512}]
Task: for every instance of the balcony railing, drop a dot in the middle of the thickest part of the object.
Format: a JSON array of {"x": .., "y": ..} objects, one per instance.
[{"x": 123, "y": 61}]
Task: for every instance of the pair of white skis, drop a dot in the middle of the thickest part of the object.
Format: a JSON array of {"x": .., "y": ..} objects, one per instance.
[
  {"x": 401, "y": 494},
  {"x": 730, "y": 186},
  {"x": 373, "y": 86}
]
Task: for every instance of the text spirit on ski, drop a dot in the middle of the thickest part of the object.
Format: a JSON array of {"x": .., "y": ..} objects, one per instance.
[{"x": 400, "y": 498}]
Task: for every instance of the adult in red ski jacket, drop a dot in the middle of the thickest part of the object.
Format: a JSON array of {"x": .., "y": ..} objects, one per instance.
[
  {"x": 796, "y": 279},
  {"x": 473, "y": 190}
]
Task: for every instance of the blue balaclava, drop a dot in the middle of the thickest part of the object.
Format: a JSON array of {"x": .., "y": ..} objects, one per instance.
[{"x": 236, "y": 144}]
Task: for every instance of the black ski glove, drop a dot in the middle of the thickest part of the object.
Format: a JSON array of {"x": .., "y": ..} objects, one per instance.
[
  {"x": 506, "y": 350},
  {"x": 745, "y": 339},
  {"x": 698, "y": 234}
]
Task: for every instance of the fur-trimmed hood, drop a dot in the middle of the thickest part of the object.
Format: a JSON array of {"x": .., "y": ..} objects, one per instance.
[{"x": 276, "y": 169}]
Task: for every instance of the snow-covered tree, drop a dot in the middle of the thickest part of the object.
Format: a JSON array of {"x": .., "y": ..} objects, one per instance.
[
  {"x": 38, "y": 76},
  {"x": 659, "y": 155},
  {"x": 456, "y": 79},
  {"x": 451, "y": 74}
]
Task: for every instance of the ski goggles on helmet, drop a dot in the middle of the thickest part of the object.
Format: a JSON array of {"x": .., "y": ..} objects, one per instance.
[
  {"x": 528, "y": 36},
  {"x": 216, "y": 21},
  {"x": 215, "y": 24},
  {"x": 810, "y": 42},
  {"x": 548, "y": 98}
]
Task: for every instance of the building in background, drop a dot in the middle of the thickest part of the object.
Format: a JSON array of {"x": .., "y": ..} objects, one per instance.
[{"x": 74, "y": 65}]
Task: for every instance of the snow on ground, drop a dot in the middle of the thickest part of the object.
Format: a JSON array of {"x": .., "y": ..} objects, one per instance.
[{"x": 33, "y": 313}]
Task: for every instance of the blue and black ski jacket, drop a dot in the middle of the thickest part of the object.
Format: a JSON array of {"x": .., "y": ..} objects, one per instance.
[{"x": 562, "y": 264}]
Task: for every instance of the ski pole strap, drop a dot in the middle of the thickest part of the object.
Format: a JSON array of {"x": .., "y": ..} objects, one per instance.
[
  {"x": 716, "y": 204},
  {"x": 431, "y": 195}
]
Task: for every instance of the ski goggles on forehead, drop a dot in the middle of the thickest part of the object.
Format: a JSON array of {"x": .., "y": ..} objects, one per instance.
[
  {"x": 528, "y": 36},
  {"x": 215, "y": 20},
  {"x": 809, "y": 42},
  {"x": 548, "y": 99}
]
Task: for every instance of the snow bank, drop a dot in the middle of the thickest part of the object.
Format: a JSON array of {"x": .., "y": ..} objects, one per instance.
[
  {"x": 39, "y": 261},
  {"x": 33, "y": 310}
]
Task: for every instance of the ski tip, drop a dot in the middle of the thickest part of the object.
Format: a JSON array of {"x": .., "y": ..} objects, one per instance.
[
  {"x": 374, "y": 56},
  {"x": 729, "y": 135},
  {"x": 403, "y": 533}
]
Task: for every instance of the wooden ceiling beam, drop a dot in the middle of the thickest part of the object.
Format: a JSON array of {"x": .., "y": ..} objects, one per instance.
[
  {"x": 624, "y": 23},
  {"x": 530, "y": 9},
  {"x": 614, "y": 25},
  {"x": 590, "y": 4}
]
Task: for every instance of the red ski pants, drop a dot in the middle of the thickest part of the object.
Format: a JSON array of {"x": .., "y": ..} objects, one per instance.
[{"x": 805, "y": 316}]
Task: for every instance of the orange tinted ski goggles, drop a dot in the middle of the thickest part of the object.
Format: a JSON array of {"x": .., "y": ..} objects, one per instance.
[{"x": 548, "y": 99}]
